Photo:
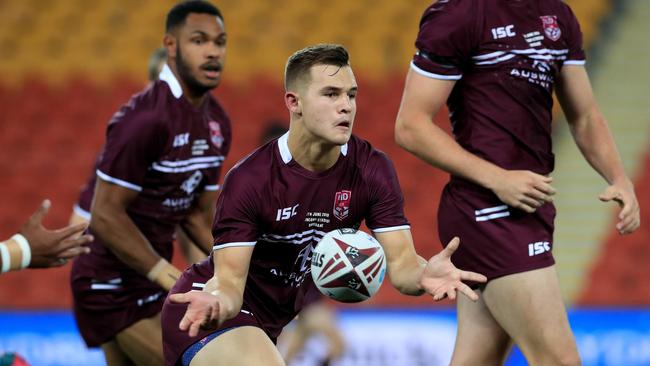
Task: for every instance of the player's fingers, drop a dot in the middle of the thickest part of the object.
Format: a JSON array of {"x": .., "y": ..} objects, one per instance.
[
  {"x": 545, "y": 188},
  {"x": 73, "y": 252},
  {"x": 527, "y": 204},
  {"x": 451, "y": 247},
  {"x": 40, "y": 212},
  {"x": 629, "y": 225},
  {"x": 608, "y": 194},
  {"x": 467, "y": 291},
  {"x": 184, "y": 325},
  {"x": 472, "y": 276},
  {"x": 437, "y": 296},
  {"x": 71, "y": 230},
  {"x": 180, "y": 298},
  {"x": 74, "y": 242},
  {"x": 451, "y": 293},
  {"x": 194, "y": 328}
]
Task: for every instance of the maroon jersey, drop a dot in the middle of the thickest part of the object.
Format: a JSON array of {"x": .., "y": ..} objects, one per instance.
[
  {"x": 272, "y": 203},
  {"x": 506, "y": 56},
  {"x": 169, "y": 151}
]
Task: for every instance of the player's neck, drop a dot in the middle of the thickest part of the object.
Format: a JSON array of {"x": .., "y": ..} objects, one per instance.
[
  {"x": 195, "y": 98},
  {"x": 311, "y": 152}
]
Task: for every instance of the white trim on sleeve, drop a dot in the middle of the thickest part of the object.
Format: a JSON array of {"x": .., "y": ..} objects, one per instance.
[
  {"x": 119, "y": 182},
  {"x": 81, "y": 212},
  {"x": 575, "y": 62},
  {"x": 234, "y": 244},
  {"x": 212, "y": 188},
  {"x": 392, "y": 228},
  {"x": 434, "y": 76}
]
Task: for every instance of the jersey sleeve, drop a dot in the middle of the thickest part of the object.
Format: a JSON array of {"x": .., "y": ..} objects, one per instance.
[
  {"x": 235, "y": 222},
  {"x": 134, "y": 140},
  {"x": 386, "y": 212},
  {"x": 576, "y": 55},
  {"x": 445, "y": 40}
]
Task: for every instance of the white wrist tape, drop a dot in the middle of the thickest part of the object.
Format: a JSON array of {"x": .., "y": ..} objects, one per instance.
[
  {"x": 6, "y": 259},
  {"x": 24, "y": 247}
]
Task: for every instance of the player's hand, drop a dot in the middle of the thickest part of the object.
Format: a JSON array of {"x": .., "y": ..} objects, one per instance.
[
  {"x": 442, "y": 279},
  {"x": 622, "y": 193},
  {"x": 204, "y": 311},
  {"x": 52, "y": 248},
  {"x": 523, "y": 189}
]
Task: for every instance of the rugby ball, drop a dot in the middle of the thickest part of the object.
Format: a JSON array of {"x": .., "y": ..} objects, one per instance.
[{"x": 348, "y": 265}]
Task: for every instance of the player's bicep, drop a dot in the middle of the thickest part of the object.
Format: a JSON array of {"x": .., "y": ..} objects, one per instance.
[
  {"x": 109, "y": 195},
  {"x": 575, "y": 93},
  {"x": 423, "y": 97}
]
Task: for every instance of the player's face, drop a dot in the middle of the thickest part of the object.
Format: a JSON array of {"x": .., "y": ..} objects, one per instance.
[
  {"x": 328, "y": 103},
  {"x": 200, "y": 51}
]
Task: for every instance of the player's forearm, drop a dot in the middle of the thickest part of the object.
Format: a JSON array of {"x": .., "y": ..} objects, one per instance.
[
  {"x": 595, "y": 141},
  {"x": 198, "y": 228},
  {"x": 418, "y": 135},
  {"x": 118, "y": 232},
  {"x": 405, "y": 276}
]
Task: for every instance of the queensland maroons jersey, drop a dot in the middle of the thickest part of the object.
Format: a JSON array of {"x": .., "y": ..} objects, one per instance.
[
  {"x": 167, "y": 150},
  {"x": 272, "y": 203},
  {"x": 506, "y": 56}
]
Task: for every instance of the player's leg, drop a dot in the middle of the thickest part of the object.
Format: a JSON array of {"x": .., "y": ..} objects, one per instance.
[
  {"x": 114, "y": 355},
  {"x": 241, "y": 346},
  {"x": 142, "y": 342},
  {"x": 480, "y": 340},
  {"x": 529, "y": 307}
]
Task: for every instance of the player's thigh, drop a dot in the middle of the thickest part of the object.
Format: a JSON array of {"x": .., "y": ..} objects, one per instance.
[
  {"x": 142, "y": 341},
  {"x": 241, "y": 346},
  {"x": 114, "y": 355},
  {"x": 480, "y": 340},
  {"x": 529, "y": 307}
]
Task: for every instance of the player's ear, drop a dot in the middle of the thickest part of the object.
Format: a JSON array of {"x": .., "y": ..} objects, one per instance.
[
  {"x": 292, "y": 101},
  {"x": 170, "y": 44}
]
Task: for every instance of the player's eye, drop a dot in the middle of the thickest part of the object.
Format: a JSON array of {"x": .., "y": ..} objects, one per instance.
[
  {"x": 197, "y": 41},
  {"x": 352, "y": 95}
]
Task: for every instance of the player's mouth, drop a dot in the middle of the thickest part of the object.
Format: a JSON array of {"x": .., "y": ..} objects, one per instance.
[
  {"x": 343, "y": 125},
  {"x": 211, "y": 71}
]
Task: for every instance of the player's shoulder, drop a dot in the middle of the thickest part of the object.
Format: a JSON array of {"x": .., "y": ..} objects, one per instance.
[
  {"x": 147, "y": 108},
  {"x": 366, "y": 156},
  {"x": 452, "y": 7},
  {"x": 253, "y": 169}
]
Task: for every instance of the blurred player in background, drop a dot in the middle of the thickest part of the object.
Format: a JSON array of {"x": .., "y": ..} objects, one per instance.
[
  {"x": 496, "y": 65},
  {"x": 159, "y": 169},
  {"x": 257, "y": 278},
  {"x": 36, "y": 247},
  {"x": 81, "y": 209}
]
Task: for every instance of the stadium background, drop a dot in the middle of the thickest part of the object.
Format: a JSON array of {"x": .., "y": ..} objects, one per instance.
[{"x": 66, "y": 66}]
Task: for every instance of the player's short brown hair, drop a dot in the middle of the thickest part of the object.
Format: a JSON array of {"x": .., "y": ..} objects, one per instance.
[{"x": 299, "y": 64}]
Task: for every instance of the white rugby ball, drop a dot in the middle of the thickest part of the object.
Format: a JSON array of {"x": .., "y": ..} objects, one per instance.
[{"x": 348, "y": 265}]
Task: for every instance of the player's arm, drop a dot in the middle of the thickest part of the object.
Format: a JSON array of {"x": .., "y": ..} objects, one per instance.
[
  {"x": 113, "y": 226},
  {"x": 36, "y": 247},
  {"x": 223, "y": 295},
  {"x": 415, "y": 132},
  {"x": 594, "y": 139},
  {"x": 198, "y": 224},
  {"x": 413, "y": 275}
]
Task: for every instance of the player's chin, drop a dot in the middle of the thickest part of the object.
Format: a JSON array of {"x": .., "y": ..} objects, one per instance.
[
  {"x": 341, "y": 138},
  {"x": 210, "y": 83}
]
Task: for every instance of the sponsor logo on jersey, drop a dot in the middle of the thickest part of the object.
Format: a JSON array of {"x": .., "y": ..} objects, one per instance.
[
  {"x": 342, "y": 204},
  {"x": 551, "y": 28},
  {"x": 286, "y": 213},
  {"x": 538, "y": 248},
  {"x": 215, "y": 134},
  {"x": 190, "y": 184},
  {"x": 503, "y": 32},
  {"x": 181, "y": 139}
]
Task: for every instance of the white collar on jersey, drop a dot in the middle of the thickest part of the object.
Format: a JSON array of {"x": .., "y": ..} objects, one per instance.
[
  {"x": 283, "y": 145},
  {"x": 167, "y": 76}
]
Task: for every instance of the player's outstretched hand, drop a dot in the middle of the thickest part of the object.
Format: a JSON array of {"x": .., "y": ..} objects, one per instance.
[
  {"x": 442, "y": 279},
  {"x": 523, "y": 189},
  {"x": 622, "y": 193},
  {"x": 203, "y": 311},
  {"x": 52, "y": 248}
]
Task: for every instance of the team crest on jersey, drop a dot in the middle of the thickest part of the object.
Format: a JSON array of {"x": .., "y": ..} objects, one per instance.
[
  {"x": 215, "y": 134},
  {"x": 342, "y": 204},
  {"x": 551, "y": 28}
]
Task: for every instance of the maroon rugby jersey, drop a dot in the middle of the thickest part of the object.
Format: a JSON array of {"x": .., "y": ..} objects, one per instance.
[
  {"x": 169, "y": 151},
  {"x": 506, "y": 56},
  {"x": 269, "y": 201}
]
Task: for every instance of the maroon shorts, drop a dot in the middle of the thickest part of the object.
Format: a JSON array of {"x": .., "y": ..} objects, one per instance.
[
  {"x": 495, "y": 239},
  {"x": 175, "y": 341},
  {"x": 107, "y": 302}
]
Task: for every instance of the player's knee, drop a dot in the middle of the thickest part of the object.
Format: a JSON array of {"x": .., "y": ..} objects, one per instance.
[{"x": 571, "y": 358}]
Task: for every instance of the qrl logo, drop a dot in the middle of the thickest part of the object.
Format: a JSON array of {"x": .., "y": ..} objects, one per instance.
[
  {"x": 342, "y": 204},
  {"x": 538, "y": 248}
]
